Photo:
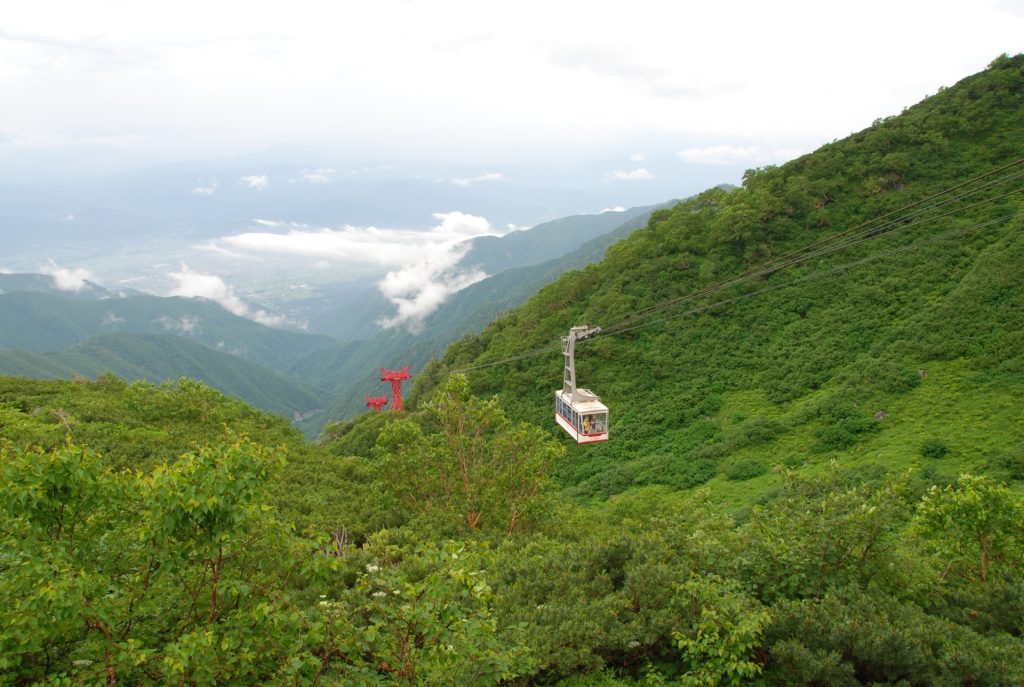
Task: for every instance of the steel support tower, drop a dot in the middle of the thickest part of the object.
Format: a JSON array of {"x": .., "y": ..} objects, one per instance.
[{"x": 396, "y": 377}]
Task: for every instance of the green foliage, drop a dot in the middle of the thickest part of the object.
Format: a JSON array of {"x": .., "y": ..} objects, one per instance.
[
  {"x": 974, "y": 520},
  {"x": 134, "y": 425},
  {"x": 477, "y": 472},
  {"x": 933, "y": 448},
  {"x": 718, "y": 647},
  {"x": 744, "y": 469},
  {"x": 1009, "y": 463},
  {"x": 430, "y": 624},
  {"x": 851, "y": 637},
  {"x": 123, "y": 576}
]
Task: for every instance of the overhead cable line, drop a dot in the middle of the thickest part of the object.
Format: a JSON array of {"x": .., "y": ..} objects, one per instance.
[
  {"x": 821, "y": 273},
  {"x": 846, "y": 243},
  {"x": 823, "y": 246},
  {"x": 828, "y": 245}
]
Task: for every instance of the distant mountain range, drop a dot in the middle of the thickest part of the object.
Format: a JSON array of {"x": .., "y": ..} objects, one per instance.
[
  {"x": 51, "y": 332},
  {"x": 157, "y": 357}
]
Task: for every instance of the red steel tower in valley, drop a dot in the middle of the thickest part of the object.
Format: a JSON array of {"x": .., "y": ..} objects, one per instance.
[
  {"x": 396, "y": 377},
  {"x": 376, "y": 402}
]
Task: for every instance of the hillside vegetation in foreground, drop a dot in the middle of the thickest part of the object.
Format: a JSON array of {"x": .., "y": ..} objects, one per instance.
[{"x": 170, "y": 535}]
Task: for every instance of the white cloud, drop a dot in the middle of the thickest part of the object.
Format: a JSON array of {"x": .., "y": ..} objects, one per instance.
[
  {"x": 637, "y": 157},
  {"x": 110, "y": 318},
  {"x": 638, "y": 174},
  {"x": 737, "y": 155},
  {"x": 210, "y": 286},
  {"x": 423, "y": 264},
  {"x": 617, "y": 208},
  {"x": 388, "y": 248},
  {"x": 260, "y": 182},
  {"x": 186, "y": 324},
  {"x": 65, "y": 279},
  {"x": 4, "y": 270},
  {"x": 324, "y": 175},
  {"x": 417, "y": 289},
  {"x": 207, "y": 190},
  {"x": 483, "y": 178}
]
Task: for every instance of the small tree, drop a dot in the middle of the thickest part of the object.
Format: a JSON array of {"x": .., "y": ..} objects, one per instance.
[
  {"x": 974, "y": 519},
  {"x": 719, "y": 644},
  {"x": 479, "y": 471}
]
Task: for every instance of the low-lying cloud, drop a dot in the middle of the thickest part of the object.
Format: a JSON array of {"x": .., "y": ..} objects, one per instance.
[
  {"x": 323, "y": 175},
  {"x": 417, "y": 290},
  {"x": 638, "y": 174},
  {"x": 489, "y": 177},
  {"x": 260, "y": 182},
  {"x": 65, "y": 279},
  {"x": 211, "y": 287},
  {"x": 205, "y": 190},
  {"x": 182, "y": 325},
  {"x": 423, "y": 265}
]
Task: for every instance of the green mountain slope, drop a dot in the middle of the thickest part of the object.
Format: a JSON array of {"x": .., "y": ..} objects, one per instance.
[
  {"x": 158, "y": 357},
  {"x": 494, "y": 254},
  {"x": 863, "y": 366},
  {"x": 36, "y": 321}
]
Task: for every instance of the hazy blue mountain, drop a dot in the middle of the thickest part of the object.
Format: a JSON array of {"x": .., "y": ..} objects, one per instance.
[
  {"x": 36, "y": 321},
  {"x": 159, "y": 357},
  {"x": 45, "y": 283},
  {"x": 545, "y": 241},
  {"x": 347, "y": 311}
]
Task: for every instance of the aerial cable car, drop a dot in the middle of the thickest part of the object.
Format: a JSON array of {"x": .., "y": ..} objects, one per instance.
[{"x": 579, "y": 411}]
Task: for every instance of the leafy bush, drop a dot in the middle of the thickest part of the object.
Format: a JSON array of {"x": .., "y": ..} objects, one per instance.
[
  {"x": 744, "y": 469},
  {"x": 934, "y": 448},
  {"x": 834, "y": 438},
  {"x": 1009, "y": 465}
]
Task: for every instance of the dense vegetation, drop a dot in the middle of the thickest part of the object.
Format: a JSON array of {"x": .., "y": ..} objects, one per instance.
[{"x": 170, "y": 535}]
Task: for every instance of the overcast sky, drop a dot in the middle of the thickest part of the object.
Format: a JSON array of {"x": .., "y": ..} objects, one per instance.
[
  {"x": 652, "y": 100},
  {"x": 477, "y": 81}
]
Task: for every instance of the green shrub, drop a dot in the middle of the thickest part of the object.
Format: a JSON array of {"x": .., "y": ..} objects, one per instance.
[
  {"x": 1009, "y": 465},
  {"x": 933, "y": 448},
  {"x": 744, "y": 469}
]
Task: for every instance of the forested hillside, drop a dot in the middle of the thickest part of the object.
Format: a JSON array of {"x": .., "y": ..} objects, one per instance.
[
  {"x": 814, "y": 359},
  {"x": 814, "y": 474}
]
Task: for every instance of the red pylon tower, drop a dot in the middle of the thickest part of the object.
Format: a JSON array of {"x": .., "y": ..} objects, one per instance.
[
  {"x": 396, "y": 377},
  {"x": 376, "y": 402}
]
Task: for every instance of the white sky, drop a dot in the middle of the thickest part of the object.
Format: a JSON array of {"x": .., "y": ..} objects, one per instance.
[{"x": 474, "y": 80}]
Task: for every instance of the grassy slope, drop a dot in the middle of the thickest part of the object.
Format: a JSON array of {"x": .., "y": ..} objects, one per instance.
[{"x": 794, "y": 377}]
